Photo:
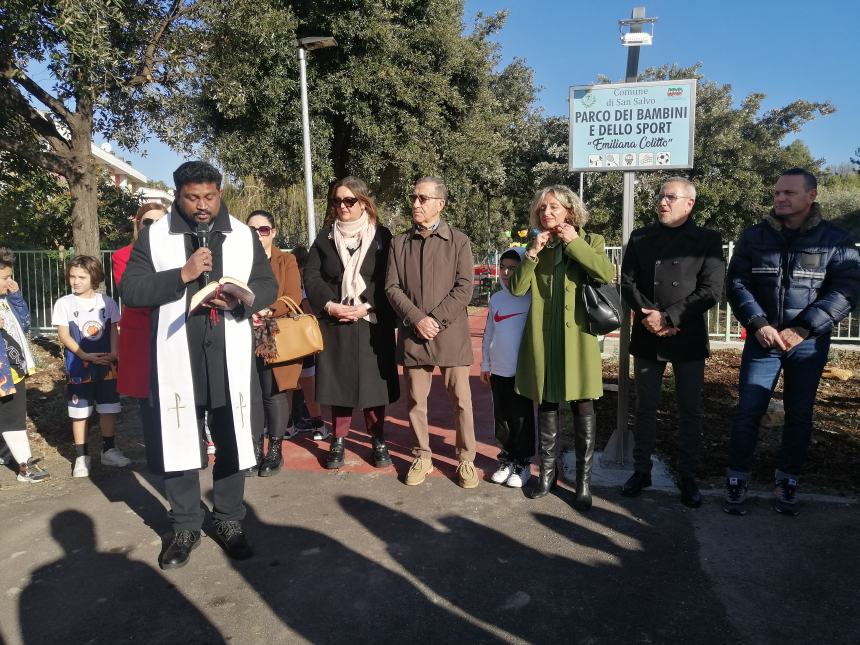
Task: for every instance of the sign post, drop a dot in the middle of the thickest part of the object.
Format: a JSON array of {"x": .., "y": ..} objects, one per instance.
[{"x": 630, "y": 127}]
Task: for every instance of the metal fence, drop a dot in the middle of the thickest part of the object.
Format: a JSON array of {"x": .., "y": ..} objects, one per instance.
[
  {"x": 723, "y": 326},
  {"x": 41, "y": 276}
]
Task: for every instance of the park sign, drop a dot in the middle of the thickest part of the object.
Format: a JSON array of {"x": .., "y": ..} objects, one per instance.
[{"x": 632, "y": 126}]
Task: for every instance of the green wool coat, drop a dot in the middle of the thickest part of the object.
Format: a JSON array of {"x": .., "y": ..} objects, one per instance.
[{"x": 557, "y": 326}]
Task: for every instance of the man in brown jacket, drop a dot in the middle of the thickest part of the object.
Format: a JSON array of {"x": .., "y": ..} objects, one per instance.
[{"x": 429, "y": 285}]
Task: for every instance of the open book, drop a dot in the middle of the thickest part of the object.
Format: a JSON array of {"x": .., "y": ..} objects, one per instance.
[{"x": 229, "y": 289}]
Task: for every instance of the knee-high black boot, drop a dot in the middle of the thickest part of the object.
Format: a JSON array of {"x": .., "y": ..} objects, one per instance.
[
  {"x": 584, "y": 437},
  {"x": 548, "y": 440}
]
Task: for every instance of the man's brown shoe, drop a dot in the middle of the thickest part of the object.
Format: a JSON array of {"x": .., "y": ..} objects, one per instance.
[
  {"x": 467, "y": 476},
  {"x": 418, "y": 471}
]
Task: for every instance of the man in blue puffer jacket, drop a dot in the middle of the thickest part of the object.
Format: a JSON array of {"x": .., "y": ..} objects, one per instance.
[{"x": 792, "y": 278}]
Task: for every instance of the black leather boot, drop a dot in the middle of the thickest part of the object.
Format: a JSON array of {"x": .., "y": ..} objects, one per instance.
[
  {"x": 258, "y": 456},
  {"x": 381, "y": 457},
  {"x": 335, "y": 453},
  {"x": 271, "y": 463},
  {"x": 584, "y": 437},
  {"x": 547, "y": 442}
]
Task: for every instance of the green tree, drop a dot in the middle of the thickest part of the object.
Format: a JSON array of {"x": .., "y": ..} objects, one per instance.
[
  {"x": 285, "y": 203},
  {"x": 405, "y": 93},
  {"x": 36, "y": 208},
  {"x": 112, "y": 66},
  {"x": 738, "y": 154},
  {"x": 839, "y": 196}
]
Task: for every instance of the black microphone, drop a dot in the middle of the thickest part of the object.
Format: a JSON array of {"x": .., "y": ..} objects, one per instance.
[{"x": 203, "y": 243}]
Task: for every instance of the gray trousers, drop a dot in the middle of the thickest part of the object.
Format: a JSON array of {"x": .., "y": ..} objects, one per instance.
[{"x": 689, "y": 378}]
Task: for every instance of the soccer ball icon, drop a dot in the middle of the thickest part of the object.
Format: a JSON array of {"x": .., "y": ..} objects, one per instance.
[{"x": 663, "y": 158}]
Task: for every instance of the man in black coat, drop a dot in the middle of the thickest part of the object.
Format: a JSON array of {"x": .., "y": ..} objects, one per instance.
[
  {"x": 192, "y": 371},
  {"x": 672, "y": 273}
]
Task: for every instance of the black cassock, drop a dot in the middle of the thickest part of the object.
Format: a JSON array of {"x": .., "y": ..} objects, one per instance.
[{"x": 143, "y": 286}]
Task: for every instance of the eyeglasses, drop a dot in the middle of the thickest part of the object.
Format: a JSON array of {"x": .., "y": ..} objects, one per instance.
[
  {"x": 421, "y": 198},
  {"x": 349, "y": 202},
  {"x": 262, "y": 231},
  {"x": 147, "y": 222},
  {"x": 669, "y": 197}
]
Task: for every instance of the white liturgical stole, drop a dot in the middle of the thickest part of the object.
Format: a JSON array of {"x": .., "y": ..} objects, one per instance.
[{"x": 179, "y": 431}]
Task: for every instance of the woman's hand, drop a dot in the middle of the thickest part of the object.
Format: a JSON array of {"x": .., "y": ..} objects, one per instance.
[
  {"x": 345, "y": 313},
  {"x": 485, "y": 378},
  {"x": 538, "y": 243},
  {"x": 264, "y": 313},
  {"x": 566, "y": 232}
]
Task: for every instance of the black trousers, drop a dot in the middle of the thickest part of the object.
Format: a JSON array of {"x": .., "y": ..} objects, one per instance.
[
  {"x": 276, "y": 404},
  {"x": 182, "y": 488},
  {"x": 689, "y": 379},
  {"x": 515, "y": 420}
]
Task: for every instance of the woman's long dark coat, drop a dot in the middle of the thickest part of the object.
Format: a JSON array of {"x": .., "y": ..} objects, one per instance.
[{"x": 357, "y": 367}]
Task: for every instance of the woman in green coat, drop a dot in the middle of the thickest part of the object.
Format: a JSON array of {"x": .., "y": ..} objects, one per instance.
[{"x": 558, "y": 359}]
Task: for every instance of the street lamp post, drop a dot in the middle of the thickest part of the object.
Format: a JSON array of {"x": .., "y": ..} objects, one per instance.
[
  {"x": 619, "y": 448},
  {"x": 304, "y": 45}
]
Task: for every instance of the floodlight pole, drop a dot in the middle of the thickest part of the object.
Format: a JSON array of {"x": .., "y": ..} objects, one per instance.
[
  {"x": 619, "y": 448},
  {"x": 303, "y": 45},
  {"x": 306, "y": 144}
]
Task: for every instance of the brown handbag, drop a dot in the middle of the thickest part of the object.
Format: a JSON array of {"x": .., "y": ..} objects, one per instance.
[{"x": 298, "y": 334}]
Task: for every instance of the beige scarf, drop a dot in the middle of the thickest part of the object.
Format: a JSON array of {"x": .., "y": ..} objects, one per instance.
[{"x": 358, "y": 234}]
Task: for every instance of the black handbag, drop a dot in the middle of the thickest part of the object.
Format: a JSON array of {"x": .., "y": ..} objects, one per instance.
[{"x": 602, "y": 306}]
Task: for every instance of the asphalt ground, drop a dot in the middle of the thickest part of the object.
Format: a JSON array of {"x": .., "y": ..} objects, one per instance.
[{"x": 355, "y": 556}]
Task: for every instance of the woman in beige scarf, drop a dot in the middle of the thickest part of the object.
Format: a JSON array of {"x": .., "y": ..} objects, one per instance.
[{"x": 344, "y": 279}]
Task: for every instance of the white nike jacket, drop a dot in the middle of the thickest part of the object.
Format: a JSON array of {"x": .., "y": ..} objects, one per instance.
[{"x": 506, "y": 319}]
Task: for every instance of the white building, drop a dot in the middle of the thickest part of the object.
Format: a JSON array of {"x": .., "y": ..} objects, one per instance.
[{"x": 124, "y": 175}]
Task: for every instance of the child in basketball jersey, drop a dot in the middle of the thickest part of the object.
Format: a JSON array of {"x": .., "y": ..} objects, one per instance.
[{"x": 86, "y": 324}]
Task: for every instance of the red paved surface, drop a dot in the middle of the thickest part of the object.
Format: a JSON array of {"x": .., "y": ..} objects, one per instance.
[{"x": 302, "y": 453}]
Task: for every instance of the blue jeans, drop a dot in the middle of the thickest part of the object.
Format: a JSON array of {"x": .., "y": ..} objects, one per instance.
[{"x": 760, "y": 367}]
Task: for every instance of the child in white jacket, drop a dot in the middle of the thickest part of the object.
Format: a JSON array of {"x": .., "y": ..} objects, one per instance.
[{"x": 514, "y": 414}]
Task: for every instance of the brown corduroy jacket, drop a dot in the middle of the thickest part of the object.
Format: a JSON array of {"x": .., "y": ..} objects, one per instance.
[
  {"x": 432, "y": 277},
  {"x": 286, "y": 272}
]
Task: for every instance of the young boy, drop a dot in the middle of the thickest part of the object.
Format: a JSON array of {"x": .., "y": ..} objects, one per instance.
[
  {"x": 514, "y": 414},
  {"x": 87, "y": 327},
  {"x": 16, "y": 363}
]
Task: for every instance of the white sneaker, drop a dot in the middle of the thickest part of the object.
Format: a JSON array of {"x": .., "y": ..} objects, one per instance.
[
  {"x": 114, "y": 457},
  {"x": 502, "y": 474},
  {"x": 31, "y": 473},
  {"x": 520, "y": 474},
  {"x": 82, "y": 466}
]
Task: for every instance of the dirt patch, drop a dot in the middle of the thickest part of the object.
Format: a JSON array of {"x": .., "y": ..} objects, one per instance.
[
  {"x": 48, "y": 424},
  {"x": 834, "y": 456}
]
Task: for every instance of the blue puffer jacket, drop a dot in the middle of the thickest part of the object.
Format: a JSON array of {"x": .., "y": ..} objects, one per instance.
[{"x": 812, "y": 282}]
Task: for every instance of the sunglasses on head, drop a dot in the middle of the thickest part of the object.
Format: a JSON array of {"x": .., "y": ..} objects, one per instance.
[
  {"x": 147, "y": 222},
  {"x": 349, "y": 202},
  {"x": 262, "y": 231}
]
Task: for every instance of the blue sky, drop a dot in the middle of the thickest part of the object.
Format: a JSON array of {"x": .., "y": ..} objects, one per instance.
[{"x": 785, "y": 49}]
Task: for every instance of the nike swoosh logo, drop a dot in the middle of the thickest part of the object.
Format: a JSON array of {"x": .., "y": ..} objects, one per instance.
[{"x": 499, "y": 318}]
